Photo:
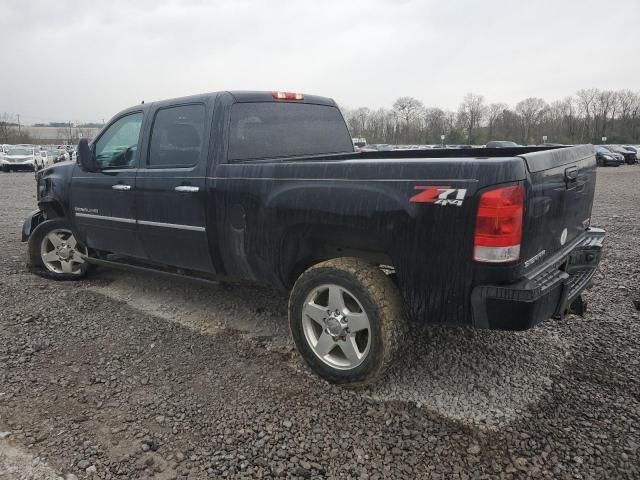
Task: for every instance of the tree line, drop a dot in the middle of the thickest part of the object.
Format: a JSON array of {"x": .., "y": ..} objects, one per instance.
[{"x": 585, "y": 117}]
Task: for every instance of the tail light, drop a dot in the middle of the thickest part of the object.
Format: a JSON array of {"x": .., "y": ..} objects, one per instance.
[
  {"x": 287, "y": 96},
  {"x": 499, "y": 225}
]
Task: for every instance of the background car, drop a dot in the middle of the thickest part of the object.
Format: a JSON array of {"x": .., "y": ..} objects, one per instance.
[
  {"x": 502, "y": 144},
  {"x": 634, "y": 149},
  {"x": 629, "y": 156},
  {"x": 62, "y": 155},
  {"x": 54, "y": 155},
  {"x": 21, "y": 157},
  {"x": 605, "y": 157},
  {"x": 42, "y": 159}
]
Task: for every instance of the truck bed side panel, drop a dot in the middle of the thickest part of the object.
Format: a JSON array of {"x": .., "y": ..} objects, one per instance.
[{"x": 429, "y": 244}]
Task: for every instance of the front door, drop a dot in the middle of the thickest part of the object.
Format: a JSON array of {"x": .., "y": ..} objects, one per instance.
[
  {"x": 103, "y": 202},
  {"x": 170, "y": 189}
]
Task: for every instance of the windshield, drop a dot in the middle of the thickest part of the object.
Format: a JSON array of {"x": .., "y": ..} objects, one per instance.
[
  {"x": 602, "y": 150},
  {"x": 19, "y": 151}
]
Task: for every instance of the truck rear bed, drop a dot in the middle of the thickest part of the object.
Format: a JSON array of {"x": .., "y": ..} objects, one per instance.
[{"x": 378, "y": 202}]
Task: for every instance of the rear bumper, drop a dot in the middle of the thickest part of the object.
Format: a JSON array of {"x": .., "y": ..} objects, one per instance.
[
  {"x": 615, "y": 163},
  {"x": 549, "y": 293}
]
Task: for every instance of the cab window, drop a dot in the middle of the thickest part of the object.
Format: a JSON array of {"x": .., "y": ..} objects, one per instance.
[
  {"x": 177, "y": 137},
  {"x": 118, "y": 146}
]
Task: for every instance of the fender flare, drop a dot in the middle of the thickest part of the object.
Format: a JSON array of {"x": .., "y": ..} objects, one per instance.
[{"x": 34, "y": 219}]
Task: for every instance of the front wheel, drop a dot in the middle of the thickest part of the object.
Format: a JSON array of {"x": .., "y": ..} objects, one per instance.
[
  {"x": 347, "y": 321},
  {"x": 55, "y": 253}
]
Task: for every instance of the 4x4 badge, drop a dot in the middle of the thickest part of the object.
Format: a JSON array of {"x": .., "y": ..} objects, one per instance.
[{"x": 439, "y": 195}]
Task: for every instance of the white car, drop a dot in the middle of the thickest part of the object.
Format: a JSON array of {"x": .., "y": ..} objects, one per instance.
[
  {"x": 45, "y": 159},
  {"x": 57, "y": 155},
  {"x": 19, "y": 157}
]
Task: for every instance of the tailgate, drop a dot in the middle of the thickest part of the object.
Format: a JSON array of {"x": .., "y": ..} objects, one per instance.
[{"x": 559, "y": 201}]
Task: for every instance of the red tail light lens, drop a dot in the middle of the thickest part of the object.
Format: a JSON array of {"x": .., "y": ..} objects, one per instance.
[
  {"x": 499, "y": 225},
  {"x": 287, "y": 96}
]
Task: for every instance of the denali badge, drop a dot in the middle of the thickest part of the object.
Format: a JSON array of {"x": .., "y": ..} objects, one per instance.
[
  {"x": 85, "y": 210},
  {"x": 563, "y": 237},
  {"x": 535, "y": 258},
  {"x": 440, "y": 195}
]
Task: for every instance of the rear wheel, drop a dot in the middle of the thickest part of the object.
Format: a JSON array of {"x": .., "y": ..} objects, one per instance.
[
  {"x": 346, "y": 320},
  {"x": 55, "y": 253}
]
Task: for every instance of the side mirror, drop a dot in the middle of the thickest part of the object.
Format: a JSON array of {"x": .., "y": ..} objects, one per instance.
[{"x": 86, "y": 158}]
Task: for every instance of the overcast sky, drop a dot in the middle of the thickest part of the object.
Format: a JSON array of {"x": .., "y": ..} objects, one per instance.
[{"x": 85, "y": 60}]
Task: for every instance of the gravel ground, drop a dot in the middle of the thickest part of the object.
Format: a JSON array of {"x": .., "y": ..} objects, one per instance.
[{"x": 130, "y": 376}]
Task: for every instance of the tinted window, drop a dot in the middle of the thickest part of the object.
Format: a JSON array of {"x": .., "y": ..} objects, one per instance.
[
  {"x": 269, "y": 130},
  {"x": 118, "y": 146},
  {"x": 176, "y": 137}
]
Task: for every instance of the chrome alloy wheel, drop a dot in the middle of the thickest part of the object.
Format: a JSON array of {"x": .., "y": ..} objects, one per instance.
[
  {"x": 336, "y": 327},
  {"x": 61, "y": 253}
]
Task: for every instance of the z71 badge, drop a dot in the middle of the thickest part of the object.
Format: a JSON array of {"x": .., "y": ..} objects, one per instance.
[{"x": 439, "y": 195}]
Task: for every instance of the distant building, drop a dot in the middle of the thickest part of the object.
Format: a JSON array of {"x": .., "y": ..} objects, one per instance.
[{"x": 55, "y": 135}]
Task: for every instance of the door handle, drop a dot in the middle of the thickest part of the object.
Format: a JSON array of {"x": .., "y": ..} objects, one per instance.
[
  {"x": 121, "y": 187},
  {"x": 187, "y": 189}
]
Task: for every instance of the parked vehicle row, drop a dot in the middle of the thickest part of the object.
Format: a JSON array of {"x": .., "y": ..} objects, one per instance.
[
  {"x": 629, "y": 155},
  {"x": 606, "y": 155},
  {"x": 26, "y": 157},
  {"x": 606, "y": 158}
]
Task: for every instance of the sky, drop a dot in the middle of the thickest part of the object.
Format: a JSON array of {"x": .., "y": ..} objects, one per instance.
[{"x": 84, "y": 60}]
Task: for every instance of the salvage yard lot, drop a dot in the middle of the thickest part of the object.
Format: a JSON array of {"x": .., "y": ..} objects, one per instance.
[{"x": 132, "y": 376}]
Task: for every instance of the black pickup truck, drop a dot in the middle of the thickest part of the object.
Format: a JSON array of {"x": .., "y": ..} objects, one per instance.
[{"x": 265, "y": 186}]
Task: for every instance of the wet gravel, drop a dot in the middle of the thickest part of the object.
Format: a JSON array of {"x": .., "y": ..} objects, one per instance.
[{"x": 130, "y": 376}]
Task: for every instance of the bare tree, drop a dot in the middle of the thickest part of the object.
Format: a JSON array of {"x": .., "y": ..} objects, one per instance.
[
  {"x": 586, "y": 102},
  {"x": 606, "y": 104},
  {"x": 531, "y": 111},
  {"x": 494, "y": 112},
  {"x": 408, "y": 108},
  {"x": 471, "y": 112},
  {"x": 5, "y": 129}
]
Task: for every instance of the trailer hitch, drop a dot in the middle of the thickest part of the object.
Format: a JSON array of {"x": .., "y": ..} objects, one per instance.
[{"x": 578, "y": 306}]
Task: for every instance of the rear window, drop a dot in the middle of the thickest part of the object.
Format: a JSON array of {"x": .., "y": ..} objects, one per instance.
[{"x": 271, "y": 130}]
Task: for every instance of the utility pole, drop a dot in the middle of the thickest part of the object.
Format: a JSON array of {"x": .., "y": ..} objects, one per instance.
[{"x": 19, "y": 130}]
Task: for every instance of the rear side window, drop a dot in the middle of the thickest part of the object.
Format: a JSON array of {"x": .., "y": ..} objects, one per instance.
[
  {"x": 272, "y": 130},
  {"x": 177, "y": 137}
]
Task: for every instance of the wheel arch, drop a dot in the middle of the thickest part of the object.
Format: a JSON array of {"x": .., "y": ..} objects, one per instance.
[
  {"x": 51, "y": 209},
  {"x": 303, "y": 246}
]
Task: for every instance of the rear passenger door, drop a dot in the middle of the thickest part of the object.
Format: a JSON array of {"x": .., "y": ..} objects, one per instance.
[{"x": 170, "y": 188}]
